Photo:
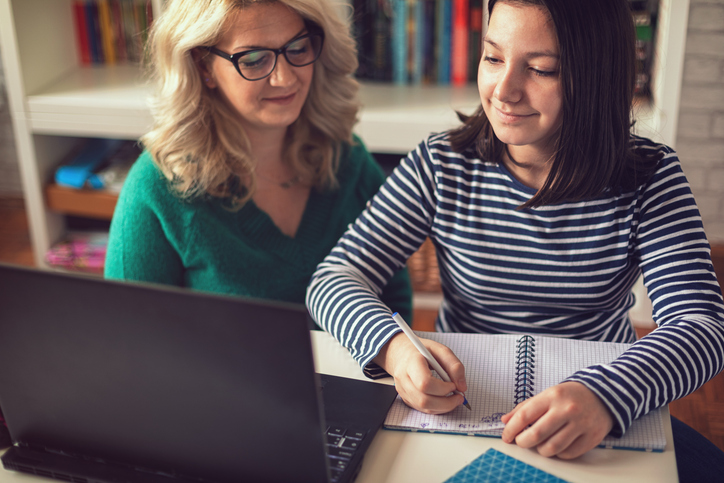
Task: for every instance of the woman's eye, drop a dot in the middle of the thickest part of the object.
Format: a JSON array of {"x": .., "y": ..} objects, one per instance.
[
  {"x": 491, "y": 60},
  {"x": 545, "y": 73},
  {"x": 254, "y": 59}
]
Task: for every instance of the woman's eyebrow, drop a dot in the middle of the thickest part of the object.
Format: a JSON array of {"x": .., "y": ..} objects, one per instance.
[
  {"x": 530, "y": 55},
  {"x": 255, "y": 47}
]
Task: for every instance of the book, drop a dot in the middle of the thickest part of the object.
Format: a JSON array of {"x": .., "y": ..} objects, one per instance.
[
  {"x": 399, "y": 41},
  {"x": 459, "y": 42},
  {"x": 495, "y": 466},
  {"x": 443, "y": 28},
  {"x": 91, "y": 19},
  {"x": 504, "y": 370},
  {"x": 428, "y": 56},
  {"x": 382, "y": 48},
  {"x": 417, "y": 35},
  {"x": 105, "y": 25},
  {"x": 475, "y": 47},
  {"x": 81, "y": 31}
]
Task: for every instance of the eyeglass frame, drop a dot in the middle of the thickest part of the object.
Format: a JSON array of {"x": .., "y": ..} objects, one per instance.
[{"x": 234, "y": 58}]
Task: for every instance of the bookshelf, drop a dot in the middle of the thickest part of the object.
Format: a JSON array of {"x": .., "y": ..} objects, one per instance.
[{"x": 56, "y": 103}]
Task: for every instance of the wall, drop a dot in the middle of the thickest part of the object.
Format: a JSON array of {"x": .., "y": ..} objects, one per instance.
[
  {"x": 9, "y": 170},
  {"x": 700, "y": 136}
]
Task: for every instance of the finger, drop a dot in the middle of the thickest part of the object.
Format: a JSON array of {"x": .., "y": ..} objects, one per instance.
[
  {"x": 450, "y": 363},
  {"x": 558, "y": 442},
  {"x": 422, "y": 378},
  {"x": 506, "y": 417},
  {"x": 524, "y": 415},
  {"x": 578, "y": 447},
  {"x": 539, "y": 431},
  {"x": 425, "y": 402}
]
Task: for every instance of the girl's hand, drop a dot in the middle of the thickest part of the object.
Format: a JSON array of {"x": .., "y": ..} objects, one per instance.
[
  {"x": 413, "y": 377},
  {"x": 566, "y": 420}
]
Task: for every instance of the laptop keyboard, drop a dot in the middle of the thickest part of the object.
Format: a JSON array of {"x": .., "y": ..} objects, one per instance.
[{"x": 342, "y": 443}]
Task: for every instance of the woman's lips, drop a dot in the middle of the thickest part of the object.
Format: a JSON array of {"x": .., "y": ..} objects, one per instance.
[
  {"x": 282, "y": 99},
  {"x": 510, "y": 116}
]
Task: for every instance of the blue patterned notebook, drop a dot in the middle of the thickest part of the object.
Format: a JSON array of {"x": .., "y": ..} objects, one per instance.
[{"x": 494, "y": 466}]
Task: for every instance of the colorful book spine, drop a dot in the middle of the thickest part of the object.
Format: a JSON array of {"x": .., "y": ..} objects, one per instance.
[
  {"x": 428, "y": 55},
  {"x": 90, "y": 19},
  {"x": 81, "y": 31},
  {"x": 443, "y": 28},
  {"x": 106, "y": 30},
  {"x": 459, "y": 48},
  {"x": 119, "y": 34},
  {"x": 476, "y": 38},
  {"x": 418, "y": 32},
  {"x": 399, "y": 41}
]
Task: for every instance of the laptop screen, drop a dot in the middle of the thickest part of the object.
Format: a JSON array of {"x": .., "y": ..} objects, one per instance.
[{"x": 166, "y": 379}]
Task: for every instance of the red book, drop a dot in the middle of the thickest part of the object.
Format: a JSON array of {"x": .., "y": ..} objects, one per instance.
[
  {"x": 459, "y": 47},
  {"x": 81, "y": 31}
]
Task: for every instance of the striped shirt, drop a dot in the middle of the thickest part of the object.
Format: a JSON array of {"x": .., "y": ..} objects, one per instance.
[{"x": 564, "y": 270}]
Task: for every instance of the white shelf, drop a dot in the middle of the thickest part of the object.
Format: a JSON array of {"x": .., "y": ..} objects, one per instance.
[
  {"x": 93, "y": 102},
  {"x": 55, "y": 102},
  {"x": 395, "y": 118}
]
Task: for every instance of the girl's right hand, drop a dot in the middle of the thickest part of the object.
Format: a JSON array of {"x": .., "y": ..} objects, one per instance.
[{"x": 413, "y": 376}]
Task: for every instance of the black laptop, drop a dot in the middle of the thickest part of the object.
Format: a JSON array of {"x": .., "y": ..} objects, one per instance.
[{"x": 105, "y": 381}]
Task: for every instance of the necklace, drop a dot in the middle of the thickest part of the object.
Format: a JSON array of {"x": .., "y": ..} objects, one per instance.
[{"x": 283, "y": 184}]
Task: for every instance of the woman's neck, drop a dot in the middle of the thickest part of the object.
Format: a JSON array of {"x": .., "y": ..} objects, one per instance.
[{"x": 530, "y": 167}]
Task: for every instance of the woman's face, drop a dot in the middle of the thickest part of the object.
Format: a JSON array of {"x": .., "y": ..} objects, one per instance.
[
  {"x": 274, "y": 102},
  {"x": 519, "y": 80}
]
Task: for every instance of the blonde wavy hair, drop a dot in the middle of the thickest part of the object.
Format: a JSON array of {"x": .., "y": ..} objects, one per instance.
[{"x": 197, "y": 140}]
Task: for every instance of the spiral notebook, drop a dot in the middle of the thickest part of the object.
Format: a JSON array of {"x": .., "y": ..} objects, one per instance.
[{"x": 504, "y": 370}]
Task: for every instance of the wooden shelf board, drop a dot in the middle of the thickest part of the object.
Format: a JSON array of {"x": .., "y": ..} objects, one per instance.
[{"x": 84, "y": 202}]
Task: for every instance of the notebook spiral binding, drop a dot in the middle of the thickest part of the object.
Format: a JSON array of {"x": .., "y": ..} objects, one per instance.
[{"x": 524, "y": 369}]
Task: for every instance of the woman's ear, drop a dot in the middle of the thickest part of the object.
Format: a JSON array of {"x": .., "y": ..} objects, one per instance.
[{"x": 202, "y": 65}]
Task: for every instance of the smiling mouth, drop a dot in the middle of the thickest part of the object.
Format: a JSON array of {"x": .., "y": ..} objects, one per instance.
[
  {"x": 281, "y": 99},
  {"x": 511, "y": 117}
]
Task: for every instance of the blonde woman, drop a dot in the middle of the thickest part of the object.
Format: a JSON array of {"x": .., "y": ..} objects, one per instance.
[{"x": 251, "y": 172}]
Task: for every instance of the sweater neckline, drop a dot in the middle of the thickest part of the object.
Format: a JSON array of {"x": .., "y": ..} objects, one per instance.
[{"x": 258, "y": 225}]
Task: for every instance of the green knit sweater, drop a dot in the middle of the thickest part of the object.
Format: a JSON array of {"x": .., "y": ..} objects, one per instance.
[{"x": 157, "y": 237}]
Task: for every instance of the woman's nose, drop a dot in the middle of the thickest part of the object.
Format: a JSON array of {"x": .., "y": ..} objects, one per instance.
[
  {"x": 283, "y": 74},
  {"x": 510, "y": 86}
]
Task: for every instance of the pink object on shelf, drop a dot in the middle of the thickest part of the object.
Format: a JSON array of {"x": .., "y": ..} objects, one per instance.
[{"x": 81, "y": 251}]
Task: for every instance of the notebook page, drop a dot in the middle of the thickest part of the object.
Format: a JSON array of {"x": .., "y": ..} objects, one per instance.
[
  {"x": 490, "y": 374},
  {"x": 556, "y": 359},
  {"x": 490, "y": 361}
]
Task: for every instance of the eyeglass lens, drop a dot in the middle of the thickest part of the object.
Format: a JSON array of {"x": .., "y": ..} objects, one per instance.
[{"x": 300, "y": 52}]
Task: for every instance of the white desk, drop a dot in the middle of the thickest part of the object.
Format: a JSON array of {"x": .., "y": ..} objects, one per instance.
[{"x": 399, "y": 457}]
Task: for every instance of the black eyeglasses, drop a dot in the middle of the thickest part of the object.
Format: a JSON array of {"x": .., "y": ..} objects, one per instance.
[{"x": 257, "y": 64}]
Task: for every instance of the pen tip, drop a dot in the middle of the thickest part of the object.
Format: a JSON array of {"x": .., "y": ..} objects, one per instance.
[{"x": 467, "y": 405}]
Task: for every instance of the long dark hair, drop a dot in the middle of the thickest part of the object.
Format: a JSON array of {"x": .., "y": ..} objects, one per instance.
[{"x": 594, "y": 150}]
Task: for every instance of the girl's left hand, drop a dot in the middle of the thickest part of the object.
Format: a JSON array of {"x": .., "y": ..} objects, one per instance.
[{"x": 565, "y": 420}]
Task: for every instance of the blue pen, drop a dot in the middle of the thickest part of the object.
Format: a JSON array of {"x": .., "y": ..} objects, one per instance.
[{"x": 426, "y": 354}]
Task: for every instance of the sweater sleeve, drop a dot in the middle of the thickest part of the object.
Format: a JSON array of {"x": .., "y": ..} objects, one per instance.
[
  {"x": 397, "y": 293},
  {"x": 343, "y": 295},
  {"x": 687, "y": 348},
  {"x": 138, "y": 248}
]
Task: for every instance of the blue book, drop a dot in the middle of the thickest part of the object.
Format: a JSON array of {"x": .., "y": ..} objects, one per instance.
[
  {"x": 399, "y": 41},
  {"x": 443, "y": 31},
  {"x": 93, "y": 39},
  {"x": 494, "y": 466},
  {"x": 418, "y": 59},
  {"x": 82, "y": 168}
]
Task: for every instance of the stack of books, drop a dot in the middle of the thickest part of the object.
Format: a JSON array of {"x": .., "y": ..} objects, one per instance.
[
  {"x": 111, "y": 31},
  {"x": 418, "y": 41}
]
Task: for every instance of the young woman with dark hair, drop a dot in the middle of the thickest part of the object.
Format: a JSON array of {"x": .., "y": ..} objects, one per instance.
[{"x": 544, "y": 209}]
